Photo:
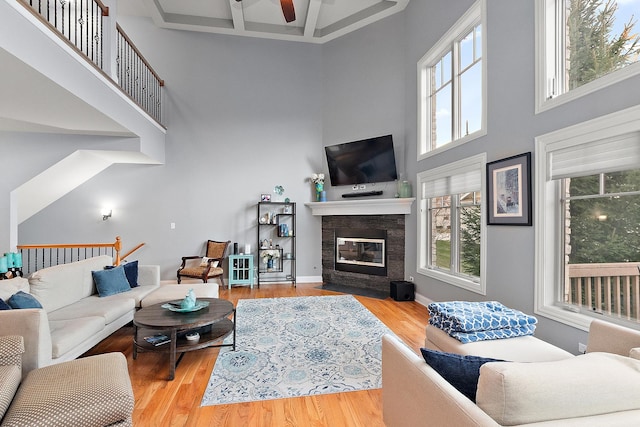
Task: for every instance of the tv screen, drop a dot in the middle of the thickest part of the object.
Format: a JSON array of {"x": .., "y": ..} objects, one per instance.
[{"x": 362, "y": 162}]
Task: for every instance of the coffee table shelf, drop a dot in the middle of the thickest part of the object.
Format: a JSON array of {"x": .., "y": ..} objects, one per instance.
[{"x": 214, "y": 323}]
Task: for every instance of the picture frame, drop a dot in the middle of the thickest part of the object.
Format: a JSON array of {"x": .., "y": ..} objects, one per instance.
[
  {"x": 509, "y": 191},
  {"x": 265, "y": 197}
]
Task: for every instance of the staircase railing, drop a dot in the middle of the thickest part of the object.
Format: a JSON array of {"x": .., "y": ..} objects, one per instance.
[
  {"x": 82, "y": 24},
  {"x": 39, "y": 256}
]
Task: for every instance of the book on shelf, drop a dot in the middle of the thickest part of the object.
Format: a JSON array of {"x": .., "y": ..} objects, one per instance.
[{"x": 157, "y": 339}]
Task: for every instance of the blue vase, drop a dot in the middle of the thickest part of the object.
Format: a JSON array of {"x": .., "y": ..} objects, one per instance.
[{"x": 270, "y": 264}]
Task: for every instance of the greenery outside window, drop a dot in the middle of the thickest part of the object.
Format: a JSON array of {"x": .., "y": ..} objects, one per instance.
[
  {"x": 588, "y": 221},
  {"x": 451, "y": 228},
  {"x": 452, "y": 82},
  {"x": 582, "y": 46}
]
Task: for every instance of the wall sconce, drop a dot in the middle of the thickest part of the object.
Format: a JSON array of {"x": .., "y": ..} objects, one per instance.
[
  {"x": 602, "y": 217},
  {"x": 106, "y": 213}
]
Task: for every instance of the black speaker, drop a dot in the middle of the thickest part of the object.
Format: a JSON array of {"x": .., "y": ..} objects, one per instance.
[{"x": 402, "y": 290}]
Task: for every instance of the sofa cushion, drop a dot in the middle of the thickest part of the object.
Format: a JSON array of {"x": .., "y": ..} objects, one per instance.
[
  {"x": 64, "y": 284},
  {"x": 4, "y": 305},
  {"x": 635, "y": 353},
  {"x": 462, "y": 372},
  {"x": 11, "y": 286},
  {"x": 108, "y": 308},
  {"x": 585, "y": 385},
  {"x": 68, "y": 334},
  {"x": 23, "y": 300},
  {"x": 110, "y": 281}
]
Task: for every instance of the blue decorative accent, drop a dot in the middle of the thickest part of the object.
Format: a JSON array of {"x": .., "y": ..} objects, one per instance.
[
  {"x": 477, "y": 321},
  {"x": 289, "y": 347}
]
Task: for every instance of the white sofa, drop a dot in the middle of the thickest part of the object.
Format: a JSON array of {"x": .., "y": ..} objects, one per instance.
[
  {"x": 553, "y": 388},
  {"x": 74, "y": 318}
]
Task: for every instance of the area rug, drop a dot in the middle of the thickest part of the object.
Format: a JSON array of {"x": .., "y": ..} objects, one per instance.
[{"x": 302, "y": 346}]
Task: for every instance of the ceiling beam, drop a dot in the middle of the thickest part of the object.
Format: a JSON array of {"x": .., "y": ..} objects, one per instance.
[
  {"x": 237, "y": 14},
  {"x": 313, "y": 11}
]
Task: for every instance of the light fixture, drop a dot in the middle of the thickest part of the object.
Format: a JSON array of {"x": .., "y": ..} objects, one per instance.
[
  {"x": 602, "y": 217},
  {"x": 106, "y": 213}
]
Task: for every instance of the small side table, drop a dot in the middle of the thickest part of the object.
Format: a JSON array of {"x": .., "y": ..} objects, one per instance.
[{"x": 241, "y": 270}]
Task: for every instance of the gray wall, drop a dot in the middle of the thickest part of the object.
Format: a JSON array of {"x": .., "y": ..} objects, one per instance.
[
  {"x": 512, "y": 127},
  {"x": 246, "y": 114},
  {"x": 243, "y": 115}
]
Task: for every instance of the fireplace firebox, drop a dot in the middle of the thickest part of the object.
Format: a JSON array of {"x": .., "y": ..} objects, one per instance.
[{"x": 361, "y": 251}]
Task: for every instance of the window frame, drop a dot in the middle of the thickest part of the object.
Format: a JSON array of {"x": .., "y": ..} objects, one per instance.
[
  {"x": 475, "y": 15},
  {"x": 548, "y": 218},
  {"x": 477, "y": 164},
  {"x": 549, "y": 57}
]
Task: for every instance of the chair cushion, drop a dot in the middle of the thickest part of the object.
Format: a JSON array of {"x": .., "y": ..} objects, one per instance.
[
  {"x": 92, "y": 391},
  {"x": 111, "y": 281},
  {"x": 199, "y": 271},
  {"x": 23, "y": 300},
  {"x": 462, "y": 372},
  {"x": 585, "y": 385},
  {"x": 205, "y": 261},
  {"x": 10, "y": 377}
]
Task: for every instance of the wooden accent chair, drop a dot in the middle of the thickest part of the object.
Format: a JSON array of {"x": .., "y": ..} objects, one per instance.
[{"x": 206, "y": 267}]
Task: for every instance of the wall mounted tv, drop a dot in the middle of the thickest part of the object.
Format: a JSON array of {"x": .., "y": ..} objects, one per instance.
[{"x": 362, "y": 162}]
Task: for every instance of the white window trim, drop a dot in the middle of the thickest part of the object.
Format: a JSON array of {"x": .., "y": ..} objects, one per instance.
[
  {"x": 477, "y": 162},
  {"x": 544, "y": 41},
  {"x": 547, "y": 221},
  {"x": 476, "y": 14}
]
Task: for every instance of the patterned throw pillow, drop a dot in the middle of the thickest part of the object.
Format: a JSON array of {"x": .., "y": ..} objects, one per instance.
[{"x": 462, "y": 372}]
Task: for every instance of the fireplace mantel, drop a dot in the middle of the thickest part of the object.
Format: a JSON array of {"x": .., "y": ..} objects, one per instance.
[{"x": 397, "y": 206}]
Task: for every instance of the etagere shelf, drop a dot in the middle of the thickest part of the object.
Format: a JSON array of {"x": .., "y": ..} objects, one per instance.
[{"x": 276, "y": 240}]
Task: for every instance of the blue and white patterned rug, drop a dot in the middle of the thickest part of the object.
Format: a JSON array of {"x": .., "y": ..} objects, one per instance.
[{"x": 289, "y": 347}]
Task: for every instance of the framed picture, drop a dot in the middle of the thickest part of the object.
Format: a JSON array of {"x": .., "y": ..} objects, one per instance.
[
  {"x": 265, "y": 198},
  {"x": 509, "y": 191}
]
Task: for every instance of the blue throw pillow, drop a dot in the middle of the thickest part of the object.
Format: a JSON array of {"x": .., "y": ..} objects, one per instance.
[
  {"x": 131, "y": 271},
  {"x": 23, "y": 300},
  {"x": 4, "y": 305},
  {"x": 462, "y": 372},
  {"x": 110, "y": 282}
]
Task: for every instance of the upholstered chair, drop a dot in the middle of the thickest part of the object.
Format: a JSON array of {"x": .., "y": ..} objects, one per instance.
[{"x": 205, "y": 267}]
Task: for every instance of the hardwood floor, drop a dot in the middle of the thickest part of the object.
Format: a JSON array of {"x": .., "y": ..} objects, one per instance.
[{"x": 177, "y": 403}]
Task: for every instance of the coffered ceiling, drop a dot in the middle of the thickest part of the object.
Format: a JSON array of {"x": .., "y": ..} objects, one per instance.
[{"x": 317, "y": 21}]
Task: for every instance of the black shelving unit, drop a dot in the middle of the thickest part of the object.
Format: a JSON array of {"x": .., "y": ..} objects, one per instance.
[{"x": 277, "y": 235}]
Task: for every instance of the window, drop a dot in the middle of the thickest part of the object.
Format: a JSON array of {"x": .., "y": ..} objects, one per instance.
[
  {"x": 452, "y": 86},
  {"x": 582, "y": 46},
  {"x": 451, "y": 230},
  {"x": 587, "y": 221}
]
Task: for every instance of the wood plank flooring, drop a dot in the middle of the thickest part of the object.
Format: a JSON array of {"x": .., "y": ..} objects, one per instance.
[{"x": 177, "y": 403}]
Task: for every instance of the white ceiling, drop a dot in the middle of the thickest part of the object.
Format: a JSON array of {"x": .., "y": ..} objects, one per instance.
[{"x": 317, "y": 21}]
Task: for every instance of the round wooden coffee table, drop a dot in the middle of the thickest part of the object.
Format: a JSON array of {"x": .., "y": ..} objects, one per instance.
[{"x": 213, "y": 323}]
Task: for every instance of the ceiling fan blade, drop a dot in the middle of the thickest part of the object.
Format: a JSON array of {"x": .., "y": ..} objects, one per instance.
[{"x": 288, "y": 10}]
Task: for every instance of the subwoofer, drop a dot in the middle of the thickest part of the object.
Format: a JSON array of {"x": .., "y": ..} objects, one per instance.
[{"x": 402, "y": 290}]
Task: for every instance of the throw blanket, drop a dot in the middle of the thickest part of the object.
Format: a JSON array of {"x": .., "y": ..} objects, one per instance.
[{"x": 478, "y": 321}]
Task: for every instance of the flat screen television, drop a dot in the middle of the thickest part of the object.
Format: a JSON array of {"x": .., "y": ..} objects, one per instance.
[{"x": 362, "y": 162}]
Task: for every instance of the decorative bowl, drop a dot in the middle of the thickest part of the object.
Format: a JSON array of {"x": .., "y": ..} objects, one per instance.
[{"x": 175, "y": 306}]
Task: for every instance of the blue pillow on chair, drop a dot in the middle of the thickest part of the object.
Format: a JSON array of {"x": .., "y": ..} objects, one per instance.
[
  {"x": 110, "y": 282},
  {"x": 23, "y": 300},
  {"x": 462, "y": 372}
]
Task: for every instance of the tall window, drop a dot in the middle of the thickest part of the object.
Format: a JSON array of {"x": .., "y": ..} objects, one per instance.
[
  {"x": 583, "y": 45},
  {"x": 451, "y": 85},
  {"x": 451, "y": 228},
  {"x": 588, "y": 231}
]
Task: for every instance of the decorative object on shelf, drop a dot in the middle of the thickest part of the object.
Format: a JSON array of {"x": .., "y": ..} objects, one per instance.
[
  {"x": 278, "y": 190},
  {"x": 288, "y": 209},
  {"x": 318, "y": 180},
  {"x": 404, "y": 189},
  {"x": 265, "y": 197},
  {"x": 10, "y": 265},
  {"x": 287, "y": 200},
  {"x": 268, "y": 256},
  {"x": 192, "y": 336},
  {"x": 509, "y": 188},
  {"x": 264, "y": 244}
]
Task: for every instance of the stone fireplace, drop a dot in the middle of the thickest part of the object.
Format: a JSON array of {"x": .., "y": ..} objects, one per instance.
[{"x": 365, "y": 251}]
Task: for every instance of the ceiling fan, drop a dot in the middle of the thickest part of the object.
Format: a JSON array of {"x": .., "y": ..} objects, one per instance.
[{"x": 287, "y": 10}]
